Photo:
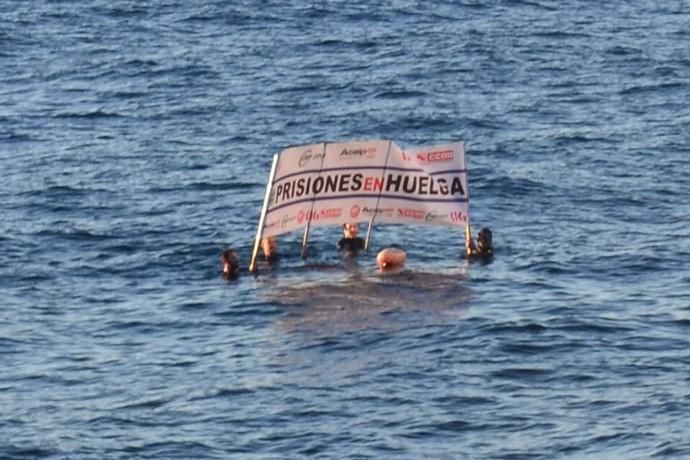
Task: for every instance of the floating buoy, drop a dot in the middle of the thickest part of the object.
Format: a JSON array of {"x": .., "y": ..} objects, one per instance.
[{"x": 391, "y": 258}]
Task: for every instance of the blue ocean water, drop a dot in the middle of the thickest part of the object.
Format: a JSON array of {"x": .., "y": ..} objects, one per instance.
[{"x": 135, "y": 142}]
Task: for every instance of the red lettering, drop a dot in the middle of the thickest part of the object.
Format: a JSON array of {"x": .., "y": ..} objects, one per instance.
[{"x": 378, "y": 184}]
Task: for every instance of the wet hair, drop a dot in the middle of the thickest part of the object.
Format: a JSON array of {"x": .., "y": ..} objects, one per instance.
[
  {"x": 485, "y": 233},
  {"x": 230, "y": 258},
  {"x": 484, "y": 238}
]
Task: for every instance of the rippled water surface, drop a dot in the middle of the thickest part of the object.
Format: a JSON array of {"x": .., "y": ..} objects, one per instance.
[{"x": 135, "y": 142}]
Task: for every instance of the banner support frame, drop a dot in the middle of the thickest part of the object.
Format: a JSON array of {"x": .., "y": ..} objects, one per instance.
[
  {"x": 366, "y": 240},
  {"x": 305, "y": 237},
  {"x": 378, "y": 198},
  {"x": 468, "y": 228},
  {"x": 253, "y": 266}
]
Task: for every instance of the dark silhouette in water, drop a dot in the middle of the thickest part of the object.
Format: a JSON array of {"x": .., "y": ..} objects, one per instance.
[
  {"x": 230, "y": 264},
  {"x": 483, "y": 249}
]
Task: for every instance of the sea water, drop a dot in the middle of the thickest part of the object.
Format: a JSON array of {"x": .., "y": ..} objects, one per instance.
[{"x": 135, "y": 144}]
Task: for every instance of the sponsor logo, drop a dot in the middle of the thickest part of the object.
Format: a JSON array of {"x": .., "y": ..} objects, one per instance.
[
  {"x": 358, "y": 153},
  {"x": 318, "y": 214},
  {"x": 286, "y": 220},
  {"x": 272, "y": 224},
  {"x": 409, "y": 213},
  {"x": 457, "y": 217},
  {"x": 308, "y": 156},
  {"x": 330, "y": 213},
  {"x": 355, "y": 211},
  {"x": 441, "y": 156},
  {"x": 377, "y": 211},
  {"x": 431, "y": 216}
]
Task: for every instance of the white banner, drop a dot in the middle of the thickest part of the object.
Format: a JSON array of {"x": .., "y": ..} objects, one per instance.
[{"x": 335, "y": 183}]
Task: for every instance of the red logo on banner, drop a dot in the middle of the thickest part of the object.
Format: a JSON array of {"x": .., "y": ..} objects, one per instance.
[
  {"x": 436, "y": 157},
  {"x": 411, "y": 213},
  {"x": 354, "y": 211},
  {"x": 457, "y": 217},
  {"x": 301, "y": 216},
  {"x": 330, "y": 213}
]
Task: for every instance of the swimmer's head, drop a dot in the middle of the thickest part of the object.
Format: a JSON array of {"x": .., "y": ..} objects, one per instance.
[
  {"x": 230, "y": 263},
  {"x": 484, "y": 240},
  {"x": 350, "y": 230},
  {"x": 269, "y": 246}
]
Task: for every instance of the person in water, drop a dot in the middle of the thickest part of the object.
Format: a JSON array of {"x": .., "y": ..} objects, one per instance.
[
  {"x": 269, "y": 246},
  {"x": 483, "y": 248},
  {"x": 230, "y": 263},
  {"x": 350, "y": 242}
]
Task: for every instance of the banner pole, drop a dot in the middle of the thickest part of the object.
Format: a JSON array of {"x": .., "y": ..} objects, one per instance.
[
  {"x": 305, "y": 237},
  {"x": 468, "y": 229},
  {"x": 468, "y": 237},
  {"x": 253, "y": 266},
  {"x": 378, "y": 200},
  {"x": 366, "y": 241}
]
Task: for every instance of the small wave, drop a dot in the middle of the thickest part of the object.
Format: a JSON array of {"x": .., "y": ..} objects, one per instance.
[
  {"x": 171, "y": 449},
  {"x": 400, "y": 94},
  {"x": 516, "y": 187},
  {"x": 454, "y": 426},
  {"x": 118, "y": 12},
  {"x": 89, "y": 115},
  {"x": 230, "y": 393},
  {"x": 620, "y": 50},
  {"x": 225, "y": 186},
  {"x": 539, "y": 5},
  {"x": 328, "y": 42},
  {"x": 10, "y": 346},
  {"x": 13, "y": 452},
  {"x": 522, "y": 373},
  {"x": 528, "y": 349},
  {"x": 683, "y": 323},
  {"x": 656, "y": 89},
  {"x": 598, "y": 327},
  {"x": 12, "y": 137},
  {"x": 149, "y": 404},
  {"x": 207, "y": 187},
  {"x": 251, "y": 309},
  {"x": 547, "y": 267},
  {"x": 510, "y": 328},
  {"x": 560, "y": 35},
  {"x": 79, "y": 235},
  {"x": 141, "y": 63},
  {"x": 125, "y": 95},
  {"x": 672, "y": 450}
]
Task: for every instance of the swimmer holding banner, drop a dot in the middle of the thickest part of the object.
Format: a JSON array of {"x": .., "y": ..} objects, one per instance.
[{"x": 374, "y": 181}]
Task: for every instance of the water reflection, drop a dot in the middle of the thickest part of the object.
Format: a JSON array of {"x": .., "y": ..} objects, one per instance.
[{"x": 328, "y": 300}]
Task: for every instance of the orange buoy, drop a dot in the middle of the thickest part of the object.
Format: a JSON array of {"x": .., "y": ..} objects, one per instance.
[{"x": 391, "y": 258}]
